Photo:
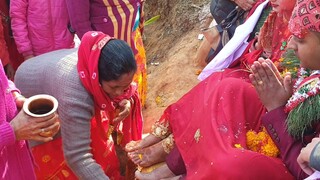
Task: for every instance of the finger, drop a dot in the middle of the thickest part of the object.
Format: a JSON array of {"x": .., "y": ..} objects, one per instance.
[
  {"x": 48, "y": 122},
  {"x": 259, "y": 73},
  {"x": 49, "y": 118},
  {"x": 118, "y": 119},
  {"x": 269, "y": 72},
  {"x": 254, "y": 76},
  {"x": 123, "y": 102},
  {"x": 41, "y": 138},
  {"x": 53, "y": 127},
  {"x": 287, "y": 83},
  {"x": 274, "y": 68},
  {"x": 51, "y": 130},
  {"x": 253, "y": 80},
  {"x": 122, "y": 115}
]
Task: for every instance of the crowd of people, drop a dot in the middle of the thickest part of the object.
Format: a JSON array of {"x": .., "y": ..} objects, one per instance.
[{"x": 258, "y": 113}]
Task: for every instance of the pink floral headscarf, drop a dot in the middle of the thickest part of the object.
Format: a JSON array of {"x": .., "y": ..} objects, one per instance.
[{"x": 305, "y": 16}]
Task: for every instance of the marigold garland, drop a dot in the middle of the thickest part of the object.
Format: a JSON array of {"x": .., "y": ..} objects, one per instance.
[{"x": 261, "y": 142}]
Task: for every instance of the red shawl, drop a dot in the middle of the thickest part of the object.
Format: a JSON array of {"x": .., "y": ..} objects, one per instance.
[{"x": 105, "y": 108}]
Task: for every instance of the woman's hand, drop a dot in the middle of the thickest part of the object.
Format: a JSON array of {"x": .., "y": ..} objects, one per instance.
[
  {"x": 273, "y": 90},
  {"x": 19, "y": 99},
  {"x": 304, "y": 156},
  {"x": 28, "y": 57},
  {"x": 125, "y": 107},
  {"x": 245, "y": 4},
  {"x": 39, "y": 129}
]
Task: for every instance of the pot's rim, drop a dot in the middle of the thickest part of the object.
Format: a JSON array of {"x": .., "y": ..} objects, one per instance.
[{"x": 37, "y": 97}]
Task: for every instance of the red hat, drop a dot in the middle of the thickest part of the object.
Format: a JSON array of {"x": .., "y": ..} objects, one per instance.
[{"x": 305, "y": 16}]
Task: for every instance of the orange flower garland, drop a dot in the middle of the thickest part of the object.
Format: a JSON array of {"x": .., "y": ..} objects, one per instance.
[{"x": 262, "y": 143}]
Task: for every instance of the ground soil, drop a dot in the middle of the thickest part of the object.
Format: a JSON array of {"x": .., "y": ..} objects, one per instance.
[{"x": 171, "y": 44}]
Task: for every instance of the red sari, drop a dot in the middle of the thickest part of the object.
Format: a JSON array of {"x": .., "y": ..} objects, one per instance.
[{"x": 211, "y": 119}]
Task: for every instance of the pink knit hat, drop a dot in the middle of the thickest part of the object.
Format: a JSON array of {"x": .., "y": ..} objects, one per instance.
[{"x": 305, "y": 16}]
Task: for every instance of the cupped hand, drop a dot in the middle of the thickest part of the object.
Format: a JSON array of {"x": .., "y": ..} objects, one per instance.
[
  {"x": 273, "y": 90},
  {"x": 304, "y": 156},
  {"x": 125, "y": 107},
  {"x": 245, "y": 4},
  {"x": 30, "y": 128}
]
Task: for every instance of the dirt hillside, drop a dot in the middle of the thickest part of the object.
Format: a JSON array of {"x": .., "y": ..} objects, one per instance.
[{"x": 171, "y": 44}]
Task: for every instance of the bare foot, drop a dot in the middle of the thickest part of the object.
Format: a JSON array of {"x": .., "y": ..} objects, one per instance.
[
  {"x": 133, "y": 145},
  {"x": 212, "y": 35},
  {"x": 148, "y": 156},
  {"x": 145, "y": 142},
  {"x": 159, "y": 173}
]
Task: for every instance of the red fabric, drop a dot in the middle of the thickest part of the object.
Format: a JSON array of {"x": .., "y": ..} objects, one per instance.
[
  {"x": 216, "y": 114},
  {"x": 15, "y": 57},
  {"x": 221, "y": 109},
  {"x": 105, "y": 108},
  {"x": 4, "y": 55},
  {"x": 247, "y": 58},
  {"x": 280, "y": 33},
  {"x": 51, "y": 155},
  {"x": 305, "y": 17}
]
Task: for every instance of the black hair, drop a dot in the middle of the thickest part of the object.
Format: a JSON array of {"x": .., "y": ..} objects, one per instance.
[{"x": 116, "y": 59}]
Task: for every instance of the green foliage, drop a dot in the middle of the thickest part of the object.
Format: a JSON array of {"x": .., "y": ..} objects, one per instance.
[
  {"x": 301, "y": 118},
  {"x": 290, "y": 63},
  {"x": 151, "y": 20}
]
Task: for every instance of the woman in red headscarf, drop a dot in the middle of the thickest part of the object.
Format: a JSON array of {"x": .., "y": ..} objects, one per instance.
[{"x": 99, "y": 108}]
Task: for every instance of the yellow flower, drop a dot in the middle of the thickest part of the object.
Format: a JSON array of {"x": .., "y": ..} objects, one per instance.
[
  {"x": 238, "y": 146},
  {"x": 158, "y": 100},
  {"x": 262, "y": 143}
]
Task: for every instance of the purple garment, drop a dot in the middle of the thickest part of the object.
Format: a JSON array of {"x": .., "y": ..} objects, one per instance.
[
  {"x": 105, "y": 16},
  {"x": 175, "y": 162},
  {"x": 275, "y": 123},
  {"x": 15, "y": 159}
]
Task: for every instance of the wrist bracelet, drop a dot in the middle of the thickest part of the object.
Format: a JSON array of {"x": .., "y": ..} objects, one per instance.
[{"x": 17, "y": 96}]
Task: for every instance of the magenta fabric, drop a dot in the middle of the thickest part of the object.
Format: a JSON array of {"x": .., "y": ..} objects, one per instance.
[
  {"x": 15, "y": 160},
  {"x": 40, "y": 26}
]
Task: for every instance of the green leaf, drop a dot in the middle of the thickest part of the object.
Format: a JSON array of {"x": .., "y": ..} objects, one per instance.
[{"x": 151, "y": 20}]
